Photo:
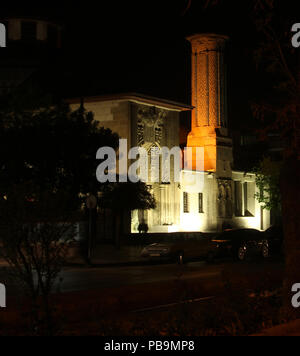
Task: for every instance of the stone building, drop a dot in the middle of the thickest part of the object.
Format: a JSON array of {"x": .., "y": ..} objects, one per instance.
[
  {"x": 227, "y": 196},
  {"x": 150, "y": 123}
]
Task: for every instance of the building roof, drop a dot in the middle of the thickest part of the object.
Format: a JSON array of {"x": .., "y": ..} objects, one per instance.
[{"x": 135, "y": 97}]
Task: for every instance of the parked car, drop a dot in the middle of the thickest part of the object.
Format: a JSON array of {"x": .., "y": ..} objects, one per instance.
[
  {"x": 274, "y": 236},
  {"x": 178, "y": 251},
  {"x": 239, "y": 244}
]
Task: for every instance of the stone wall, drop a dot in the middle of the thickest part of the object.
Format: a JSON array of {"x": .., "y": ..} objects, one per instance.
[{"x": 114, "y": 115}]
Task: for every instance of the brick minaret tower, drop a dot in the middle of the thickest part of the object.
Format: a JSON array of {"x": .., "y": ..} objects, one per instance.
[{"x": 209, "y": 117}]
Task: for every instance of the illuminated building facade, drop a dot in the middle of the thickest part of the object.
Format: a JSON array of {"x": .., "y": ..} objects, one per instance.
[{"x": 227, "y": 196}]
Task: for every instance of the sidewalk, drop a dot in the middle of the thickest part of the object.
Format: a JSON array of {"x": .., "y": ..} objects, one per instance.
[
  {"x": 106, "y": 255},
  {"x": 290, "y": 329}
]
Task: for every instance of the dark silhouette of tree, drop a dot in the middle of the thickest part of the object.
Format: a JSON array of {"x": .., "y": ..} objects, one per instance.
[
  {"x": 122, "y": 198},
  {"x": 268, "y": 183},
  {"x": 277, "y": 106},
  {"x": 48, "y": 159},
  {"x": 36, "y": 229},
  {"x": 54, "y": 148},
  {"x": 204, "y": 3}
]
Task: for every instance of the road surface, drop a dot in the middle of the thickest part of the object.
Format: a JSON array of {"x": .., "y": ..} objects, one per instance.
[{"x": 82, "y": 278}]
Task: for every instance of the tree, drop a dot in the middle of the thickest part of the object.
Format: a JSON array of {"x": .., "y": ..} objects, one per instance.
[
  {"x": 126, "y": 197},
  {"x": 54, "y": 148},
  {"x": 279, "y": 110},
  {"x": 268, "y": 182},
  {"x": 47, "y": 163},
  {"x": 36, "y": 229},
  {"x": 204, "y": 5}
]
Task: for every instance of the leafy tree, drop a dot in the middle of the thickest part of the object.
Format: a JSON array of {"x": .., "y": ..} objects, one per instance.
[
  {"x": 47, "y": 161},
  {"x": 54, "y": 148},
  {"x": 268, "y": 182},
  {"x": 126, "y": 197}
]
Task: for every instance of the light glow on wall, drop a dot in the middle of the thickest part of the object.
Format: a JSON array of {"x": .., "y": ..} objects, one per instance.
[
  {"x": 250, "y": 222},
  {"x": 191, "y": 222},
  {"x": 173, "y": 228}
]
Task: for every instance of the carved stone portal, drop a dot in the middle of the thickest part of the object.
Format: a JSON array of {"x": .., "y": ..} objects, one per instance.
[{"x": 150, "y": 125}]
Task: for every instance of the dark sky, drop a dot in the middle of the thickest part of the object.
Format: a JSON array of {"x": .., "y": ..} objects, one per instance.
[
  {"x": 120, "y": 46},
  {"x": 138, "y": 41},
  {"x": 140, "y": 46}
]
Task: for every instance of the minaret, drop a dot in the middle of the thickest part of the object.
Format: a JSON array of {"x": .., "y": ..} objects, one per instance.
[{"x": 209, "y": 117}]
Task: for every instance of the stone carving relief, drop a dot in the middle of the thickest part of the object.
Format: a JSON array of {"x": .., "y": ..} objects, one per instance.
[
  {"x": 140, "y": 134},
  {"x": 224, "y": 198},
  {"x": 150, "y": 125}
]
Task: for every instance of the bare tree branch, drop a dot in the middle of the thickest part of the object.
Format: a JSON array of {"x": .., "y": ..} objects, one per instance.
[
  {"x": 188, "y": 6},
  {"x": 206, "y": 4},
  {"x": 281, "y": 55}
]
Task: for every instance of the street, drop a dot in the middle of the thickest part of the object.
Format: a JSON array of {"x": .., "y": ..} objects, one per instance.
[
  {"x": 147, "y": 294},
  {"x": 74, "y": 279},
  {"x": 81, "y": 279}
]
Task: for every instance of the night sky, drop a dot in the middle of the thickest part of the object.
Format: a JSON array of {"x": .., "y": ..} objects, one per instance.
[{"x": 140, "y": 46}]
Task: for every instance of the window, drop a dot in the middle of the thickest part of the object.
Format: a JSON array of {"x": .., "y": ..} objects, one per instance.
[
  {"x": 29, "y": 31},
  {"x": 249, "y": 199},
  {"x": 261, "y": 218},
  {"x": 200, "y": 200},
  {"x": 186, "y": 208},
  {"x": 244, "y": 198},
  {"x": 238, "y": 198}
]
